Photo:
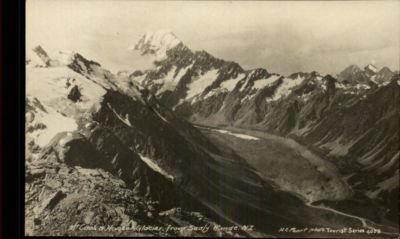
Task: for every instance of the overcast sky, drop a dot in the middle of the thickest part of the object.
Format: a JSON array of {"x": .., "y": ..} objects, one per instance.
[{"x": 283, "y": 37}]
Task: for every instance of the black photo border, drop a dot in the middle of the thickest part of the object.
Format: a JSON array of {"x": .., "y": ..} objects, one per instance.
[{"x": 12, "y": 118}]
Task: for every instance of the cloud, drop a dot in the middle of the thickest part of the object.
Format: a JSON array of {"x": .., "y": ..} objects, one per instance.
[{"x": 283, "y": 37}]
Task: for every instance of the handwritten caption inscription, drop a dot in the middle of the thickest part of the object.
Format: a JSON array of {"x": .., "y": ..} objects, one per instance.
[
  {"x": 169, "y": 228},
  {"x": 345, "y": 230}
]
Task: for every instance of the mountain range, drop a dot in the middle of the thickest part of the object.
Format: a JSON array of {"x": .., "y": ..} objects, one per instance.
[{"x": 126, "y": 149}]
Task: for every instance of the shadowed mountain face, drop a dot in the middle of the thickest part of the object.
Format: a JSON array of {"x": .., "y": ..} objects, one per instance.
[
  {"x": 351, "y": 119},
  {"x": 103, "y": 151}
]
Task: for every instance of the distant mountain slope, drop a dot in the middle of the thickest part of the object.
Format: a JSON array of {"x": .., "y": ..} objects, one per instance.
[{"x": 352, "y": 119}]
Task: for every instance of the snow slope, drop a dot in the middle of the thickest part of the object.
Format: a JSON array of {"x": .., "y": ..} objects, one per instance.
[
  {"x": 157, "y": 43},
  {"x": 198, "y": 85}
]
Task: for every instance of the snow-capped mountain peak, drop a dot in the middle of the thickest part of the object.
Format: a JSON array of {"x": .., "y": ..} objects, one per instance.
[
  {"x": 37, "y": 56},
  {"x": 353, "y": 69},
  {"x": 64, "y": 57},
  {"x": 157, "y": 43},
  {"x": 371, "y": 68}
]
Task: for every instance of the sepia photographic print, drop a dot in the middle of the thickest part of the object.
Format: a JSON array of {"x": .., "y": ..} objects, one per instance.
[{"x": 273, "y": 119}]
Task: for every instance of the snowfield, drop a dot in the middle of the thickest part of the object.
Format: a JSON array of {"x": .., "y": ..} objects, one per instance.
[
  {"x": 372, "y": 68},
  {"x": 261, "y": 83},
  {"x": 200, "y": 84},
  {"x": 53, "y": 121},
  {"x": 51, "y": 87},
  {"x": 47, "y": 89},
  {"x": 241, "y": 136},
  {"x": 158, "y": 42},
  {"x": 155, "y": 167},
  {"x": 169, "y": 82},
  {"x": 285, "y": 88},
  {"x": 125, "y": 119},
  {"x": 222, "y": 131},
  {"x": 231, "y": 83}
]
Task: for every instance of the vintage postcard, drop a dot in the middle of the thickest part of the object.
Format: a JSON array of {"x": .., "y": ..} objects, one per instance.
[{"x": 212, "y": 118}]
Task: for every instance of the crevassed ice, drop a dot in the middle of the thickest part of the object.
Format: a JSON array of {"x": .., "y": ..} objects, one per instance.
[
  {"x": 54, "y": 122},
  {"x": 48, "y": 85}
]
